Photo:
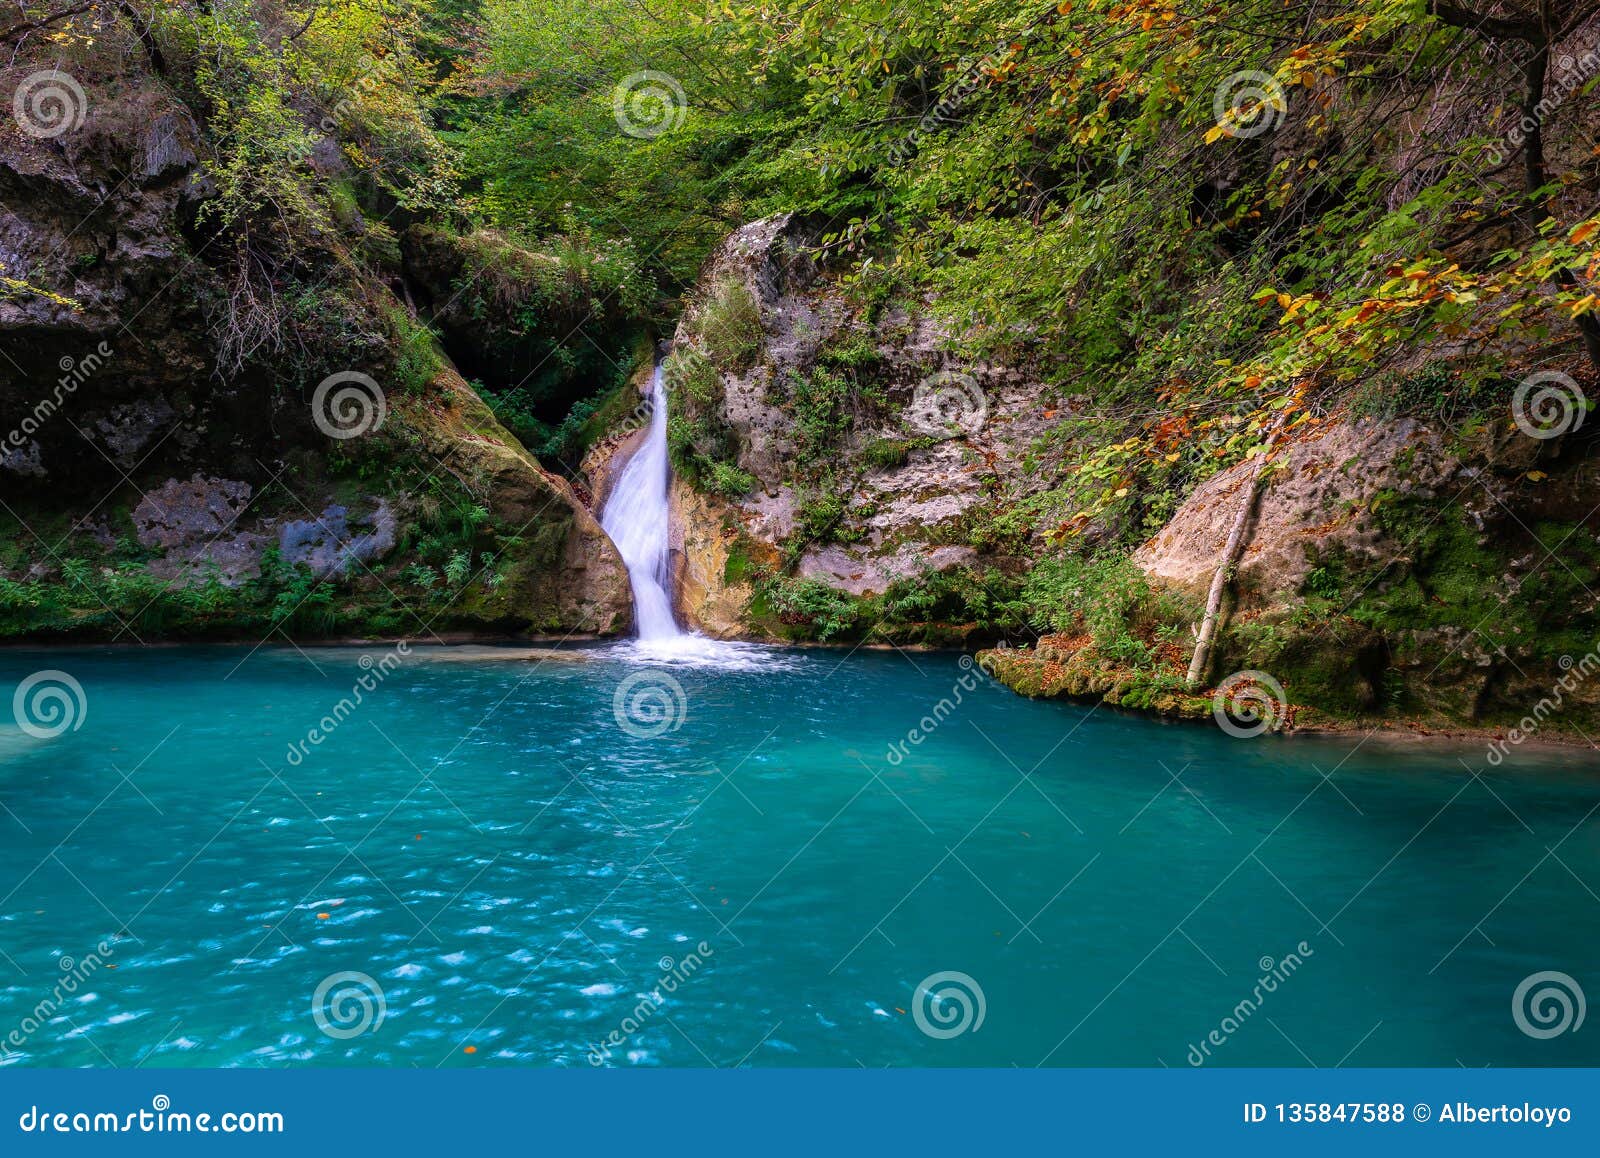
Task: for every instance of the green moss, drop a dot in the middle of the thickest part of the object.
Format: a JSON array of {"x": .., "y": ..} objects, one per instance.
[
  {"x": 887, "y": 453},
  {"x": 418, "y": 359}
]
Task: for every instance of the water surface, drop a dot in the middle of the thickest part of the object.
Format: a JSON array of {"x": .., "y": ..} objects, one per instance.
[{"x": 517, "y": 871}]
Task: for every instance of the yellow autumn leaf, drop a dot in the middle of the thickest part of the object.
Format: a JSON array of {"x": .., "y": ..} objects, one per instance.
[{"x": 1537, "y": 476}]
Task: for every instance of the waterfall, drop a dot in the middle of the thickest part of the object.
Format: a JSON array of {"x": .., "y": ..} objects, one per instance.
[{"x": 637, "y": 517}]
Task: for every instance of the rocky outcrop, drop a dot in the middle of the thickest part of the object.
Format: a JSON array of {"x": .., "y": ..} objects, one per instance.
[
  {"x": 1318, "y": 501},
  {"x": 156, "y": 408},
  {"x": 913, "y": 468},
  {"x": 1075, "y": 670},
  {"x": 712, "y": 564},
  {"x": 566, "y": 575}
]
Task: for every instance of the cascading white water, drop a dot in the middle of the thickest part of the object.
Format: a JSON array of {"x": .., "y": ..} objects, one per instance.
[{"x": 637, "y": 517}]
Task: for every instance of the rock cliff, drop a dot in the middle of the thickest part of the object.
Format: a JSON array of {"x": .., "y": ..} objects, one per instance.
[{"x": 198, "y": 439}]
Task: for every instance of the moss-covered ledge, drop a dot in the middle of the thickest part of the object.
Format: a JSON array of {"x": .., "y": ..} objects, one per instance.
[{"x": 1075, "y": 669}]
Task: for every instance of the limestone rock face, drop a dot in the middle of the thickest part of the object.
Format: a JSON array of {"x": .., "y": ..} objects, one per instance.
[
  {"x": 709, "y": 581},
  {"x": 948, "y": 439},
  {"x": 1318, "y": 500}
]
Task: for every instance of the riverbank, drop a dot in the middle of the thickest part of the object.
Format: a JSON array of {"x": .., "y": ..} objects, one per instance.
[{"x": 1252, "y": 701}]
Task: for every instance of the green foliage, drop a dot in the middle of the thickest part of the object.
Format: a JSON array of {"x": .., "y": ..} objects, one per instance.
[
  {"x": 729, "y": 481},
  {"x": 417, "y": 358},
  {"x": 729, "y": 325},
  {"x": 620, "y": 152},
  {"x": 819, "y": 515},
  {"x": 823, "y": 612},
  {"x": 458, "y": 569},
  {"x": 892, "y": 453},
  {"x": 692, "y": 377},
  {"x": 1108, "y": 597},
  {"x": 1438, "y": 391}
]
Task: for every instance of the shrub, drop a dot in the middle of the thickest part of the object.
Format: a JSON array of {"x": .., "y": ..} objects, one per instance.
[{"x": 811, "y": 604}]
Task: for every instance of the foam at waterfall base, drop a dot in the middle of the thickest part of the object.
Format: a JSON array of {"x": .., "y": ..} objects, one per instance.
[{"x": 691, "y": 650}]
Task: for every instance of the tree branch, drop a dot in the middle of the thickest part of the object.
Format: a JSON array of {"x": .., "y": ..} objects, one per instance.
[
  {"x": 1495, "y": 27},
  {"x": 27, "y": 26}
]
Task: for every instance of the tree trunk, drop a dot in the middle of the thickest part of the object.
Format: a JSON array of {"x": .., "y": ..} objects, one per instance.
[
  {"x": 1534, "y": 178},
  {"x": 1230, "y": 560},
  {"x": 147, "y": 38}
]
